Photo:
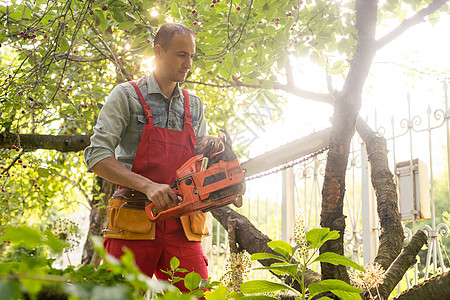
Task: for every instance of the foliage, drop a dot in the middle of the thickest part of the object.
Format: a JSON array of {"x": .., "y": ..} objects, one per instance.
[
  {"x": 315, "y": 238},
  {"x": 32, "y": 274}
]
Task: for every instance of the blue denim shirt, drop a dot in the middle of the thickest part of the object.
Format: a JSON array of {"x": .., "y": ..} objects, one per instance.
[{"x": 121, "y": 120}]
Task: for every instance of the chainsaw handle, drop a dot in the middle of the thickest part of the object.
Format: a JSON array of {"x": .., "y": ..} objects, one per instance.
[
  {"x": 149, "y": 209},
  {"x": 208, "y": 148},
  {"x": 150, "y": 206},
  {"x": 171, "y": 213}
]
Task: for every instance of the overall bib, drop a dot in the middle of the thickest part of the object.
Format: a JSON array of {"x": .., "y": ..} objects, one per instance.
[{"x": 160, "y": 153}]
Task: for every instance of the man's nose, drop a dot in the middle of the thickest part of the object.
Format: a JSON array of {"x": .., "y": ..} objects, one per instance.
[{"x": 187, "y": 63}]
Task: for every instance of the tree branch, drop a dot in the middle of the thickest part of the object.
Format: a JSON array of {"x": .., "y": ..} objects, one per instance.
[
  {"x": 435, "y": 288},
  {"x": 62, "y": 143},
  {"x": 402, "y": 263},
  {"x": 408, "y": 23},
  {"x": 291, "y": 89},
  {"x": 392, "y": 236},
  {"x": 114, "y": 58}
]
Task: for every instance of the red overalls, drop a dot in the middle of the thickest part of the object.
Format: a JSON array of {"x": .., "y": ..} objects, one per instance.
[{"x": 160, "y": 153}]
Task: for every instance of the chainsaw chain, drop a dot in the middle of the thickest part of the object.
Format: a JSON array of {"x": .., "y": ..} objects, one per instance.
[{"x": 287, "y": 165}]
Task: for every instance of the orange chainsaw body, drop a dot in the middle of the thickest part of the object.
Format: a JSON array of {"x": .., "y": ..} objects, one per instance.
[{"x": 205, "y": 190}]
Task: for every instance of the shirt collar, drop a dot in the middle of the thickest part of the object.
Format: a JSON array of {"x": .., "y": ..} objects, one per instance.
[{"x": 153, "y": 87}]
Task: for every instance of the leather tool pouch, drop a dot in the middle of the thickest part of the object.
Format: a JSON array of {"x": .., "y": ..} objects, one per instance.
[
  {"x": 131, "y": 215},
  {"x": 132, "y": 220},
  {"x": 198, "y": 223}
]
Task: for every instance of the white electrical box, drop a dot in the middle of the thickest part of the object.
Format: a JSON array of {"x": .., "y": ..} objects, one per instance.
[{"x": 414, "y": 190}]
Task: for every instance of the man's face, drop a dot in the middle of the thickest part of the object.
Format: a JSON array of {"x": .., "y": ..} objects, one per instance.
[{"x": 174, "y": 62}]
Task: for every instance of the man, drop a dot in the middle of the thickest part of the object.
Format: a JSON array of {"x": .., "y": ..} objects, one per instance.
[{"x": 144, "y": 133}]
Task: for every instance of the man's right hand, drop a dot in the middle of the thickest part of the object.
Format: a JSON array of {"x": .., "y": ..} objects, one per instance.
[
  {"x": 161, "y": 195},
  {"x": 112, "y": 170}
]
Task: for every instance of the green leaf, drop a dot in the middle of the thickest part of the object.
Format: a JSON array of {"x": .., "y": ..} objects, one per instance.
[
  {"x": 258, "y": 256},
  {"x": 117, "y": 15},
  {"x": 102, "y": 22},
  {"x": 130, "y": 15},
  {"x": 174, "y": 263},
  {"x": 32, "y": 286},
  {"x": 175, "y": 11},
  {"x": 336, "y": 259},
  {"x": 119, "y": 292},
  {"x": 332, "y": 285},
  {"x": 217, "y": 294},
  {"x": 267, "y": 84},
  {"x": 7, "y": 124},
  {"x": 281, "y": 247},
  {"x": 192, "y": 281},
  {"x": 16, "y": 15},
  {"x": 197, "y": 293},
  {"x": 54, "y": 243},
  {"x": 43, "y": 172},
  {"x": 30, "y": 237},
  {"x": 78, "y": 290},
  {"x": 64, "y": 45},
  {"x": 347, "y": 295},
  {"x": 316, "y": 237},
  {"x": 9, "y": 290},
  {"x": 263, "y": 286},
  {"x": 280, "y": 269}
]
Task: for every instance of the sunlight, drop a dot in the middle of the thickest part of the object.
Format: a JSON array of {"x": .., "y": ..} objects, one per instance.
[
  {"x": 154, "y": 13},
  {"x": 148, "y": 64}
]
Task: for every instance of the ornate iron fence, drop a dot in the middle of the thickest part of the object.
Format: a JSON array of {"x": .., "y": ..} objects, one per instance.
[{"x": 271, "y": 201}]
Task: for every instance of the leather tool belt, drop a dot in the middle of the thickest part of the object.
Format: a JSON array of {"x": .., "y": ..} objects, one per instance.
[{"x": 133, "y": 199}]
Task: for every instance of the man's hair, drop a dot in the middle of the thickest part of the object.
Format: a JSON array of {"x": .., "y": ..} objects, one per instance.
[{"x": 165, "y": 33}]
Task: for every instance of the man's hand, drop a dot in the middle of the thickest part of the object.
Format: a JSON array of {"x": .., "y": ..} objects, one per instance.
[
  {"x": 161, "y": 195},
  {"x": 218, "y": 143}
]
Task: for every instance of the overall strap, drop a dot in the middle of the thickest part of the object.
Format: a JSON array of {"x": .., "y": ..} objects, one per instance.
[
  {"x": 147, "y": 110},
  {"x": 187, "y": 110}
]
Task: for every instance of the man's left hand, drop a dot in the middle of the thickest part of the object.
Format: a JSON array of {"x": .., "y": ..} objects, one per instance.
[{"x": 218, "y": 143}]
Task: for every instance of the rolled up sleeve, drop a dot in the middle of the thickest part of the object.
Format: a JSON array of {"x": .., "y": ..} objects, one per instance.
[{"x": 111, "y": 124}]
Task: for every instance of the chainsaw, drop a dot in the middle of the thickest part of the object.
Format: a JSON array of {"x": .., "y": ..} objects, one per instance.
[{"x": 205, "y": 182}]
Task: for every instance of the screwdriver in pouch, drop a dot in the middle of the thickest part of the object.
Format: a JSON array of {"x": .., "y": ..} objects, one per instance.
[{"x": 206, "y": 154}]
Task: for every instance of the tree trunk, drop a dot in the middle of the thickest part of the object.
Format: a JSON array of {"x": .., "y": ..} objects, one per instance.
[
  {"x": 252, "y": 240},
  {"x": 347, "y": 106},
  {"x": 102, "y": 192},
  {"x": 391, "y": 238}
]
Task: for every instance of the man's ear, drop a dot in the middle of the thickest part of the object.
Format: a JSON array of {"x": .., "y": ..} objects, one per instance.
[{"x": 157, "y": 50}]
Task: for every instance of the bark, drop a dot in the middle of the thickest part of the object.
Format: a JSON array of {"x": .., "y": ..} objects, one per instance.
[
  {"x": 348, "y": 103},
  {"x": 97, "y": 219},
  {"x": 435, "y": 288},
  {"x": 252, "y": 240},
  {"x": 404, "y": 261},
  {"x": 61, "y": 143},
  {"x": 391, "y": 238}
]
